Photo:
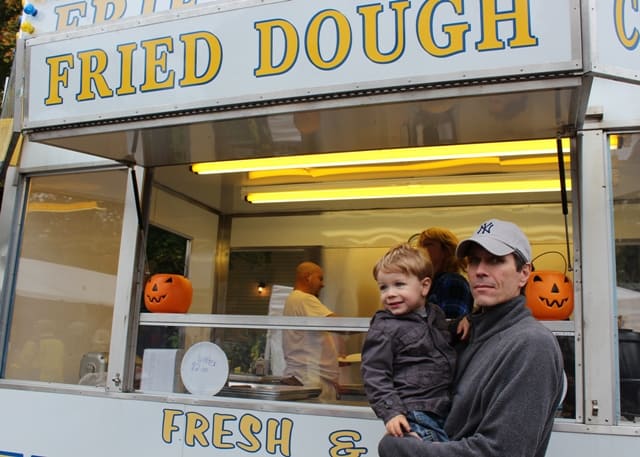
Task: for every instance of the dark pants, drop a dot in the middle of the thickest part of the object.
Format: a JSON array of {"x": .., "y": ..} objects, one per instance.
[{"x": 428, "y": 426}]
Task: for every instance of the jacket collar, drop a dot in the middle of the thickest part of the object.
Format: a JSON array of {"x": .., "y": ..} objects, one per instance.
[{"x": 493, "y": 319}]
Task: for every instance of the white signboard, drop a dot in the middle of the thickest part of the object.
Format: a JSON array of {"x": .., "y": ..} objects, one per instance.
[
  {"x": 38, "y": 424},
  {"x": 290, "y": 49},
  {"x": 618, "y": 38},
  {"x": 62, "y": 425}
]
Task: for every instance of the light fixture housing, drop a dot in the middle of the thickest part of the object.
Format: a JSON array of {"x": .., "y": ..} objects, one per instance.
[
  {"x": 383, "y": 156},
  {"x": 512, "y": 183}
]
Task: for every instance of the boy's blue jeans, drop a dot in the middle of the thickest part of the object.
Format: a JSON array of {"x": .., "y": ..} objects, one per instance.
[{"x": 428, "y": 426}]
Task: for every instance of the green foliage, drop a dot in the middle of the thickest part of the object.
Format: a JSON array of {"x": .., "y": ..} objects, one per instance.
[
  {"x": 243, "y": 347},
  {"x": 10, "y": 19},
  {"x": 166, "y": 251}
]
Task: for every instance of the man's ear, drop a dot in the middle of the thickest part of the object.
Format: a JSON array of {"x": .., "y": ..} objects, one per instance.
[{"x": 526, "y": 271}]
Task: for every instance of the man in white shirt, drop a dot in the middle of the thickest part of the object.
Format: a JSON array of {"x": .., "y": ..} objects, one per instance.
[{"x": 311, "y": 356}]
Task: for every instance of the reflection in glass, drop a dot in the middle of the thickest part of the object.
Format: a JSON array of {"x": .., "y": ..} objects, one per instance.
[
  {"x": 254, "y": 370},
  {"x": 167, "y": 253},
  {"x": 568, "y": 407},
  {"x": 66, "y": 278},
  {"x": 625, "y": 163}
]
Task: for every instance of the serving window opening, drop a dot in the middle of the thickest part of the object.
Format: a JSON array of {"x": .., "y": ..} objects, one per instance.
[{"x": 342, "y": 207}]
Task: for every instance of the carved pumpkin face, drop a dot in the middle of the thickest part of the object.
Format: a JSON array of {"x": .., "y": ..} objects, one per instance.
[
  {"x": 168, "y": 293},
  {"x": 549, "y": 295}
]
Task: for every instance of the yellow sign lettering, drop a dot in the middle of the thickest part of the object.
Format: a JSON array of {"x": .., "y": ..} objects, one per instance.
[
  {"x": 58, "y": 77},
  {"x": 344, "y": 444},
  {"x": 249, "y": 427},
  {"x": 168, "y": 425},
  {"x": 371, "y": 31},
  {"x": 213, "y": 57},
  {"x": 126, "y": 68},
  {"x": 519, "y": 15},
  {"x": 195, "y": 429},
  {"x": 279, "y": 435},
  {"x": 69, "y": 15},
  {"x": 219, "y": 432},
  {"x": 631, "y": 40},
  {"x": 148, "y": 7},
  {"x": 180, "y": 4},
  {"x": 108, "y": 10},
  {"x": 343, "y": 39},
  {"x": 92, "y": 66},
  {"x": 289, "y": 45},
  {"x": 152, "y": 64},
  {"x": 455, "y": 32},
  {"x": 156, "y": 62}
]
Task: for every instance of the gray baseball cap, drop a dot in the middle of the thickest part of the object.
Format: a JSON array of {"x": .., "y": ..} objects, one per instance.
[{"x": 499, "y": 238}]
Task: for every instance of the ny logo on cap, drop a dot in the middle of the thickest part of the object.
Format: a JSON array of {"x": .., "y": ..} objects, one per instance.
[{"x": 485, "y": 228}]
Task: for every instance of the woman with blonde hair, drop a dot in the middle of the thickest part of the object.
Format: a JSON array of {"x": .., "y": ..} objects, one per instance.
[{"x": 450, "y": 289}]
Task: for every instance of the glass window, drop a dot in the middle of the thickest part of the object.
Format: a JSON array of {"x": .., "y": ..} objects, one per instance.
[
  {"x": 66, "y": 277},
  {"x": 625, "y": 158},
  {"x": 253, "y": 273},
  {"x": 255, "y": 358},
  {"x": 249, "y": 253},
  {"x": 167, "y": 254},
  {"x": 567, "y": 409}
]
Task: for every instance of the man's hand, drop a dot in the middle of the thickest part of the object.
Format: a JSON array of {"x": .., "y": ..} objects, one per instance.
[{"x": 398, "y": 425}]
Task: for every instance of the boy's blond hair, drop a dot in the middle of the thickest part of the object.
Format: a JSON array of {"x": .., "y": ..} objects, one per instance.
[{"x": 405, "y": 259}]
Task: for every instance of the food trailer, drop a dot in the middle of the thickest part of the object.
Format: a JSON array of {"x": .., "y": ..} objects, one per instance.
[{"x": 223, "y": 142}]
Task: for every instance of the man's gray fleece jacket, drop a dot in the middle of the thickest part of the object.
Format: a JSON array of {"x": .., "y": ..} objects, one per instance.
[{"x": 507, "y": 388}]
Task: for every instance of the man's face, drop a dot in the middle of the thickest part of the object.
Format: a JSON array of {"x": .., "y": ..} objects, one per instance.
[
  {"x": 315, "y": 282},
  {"x": 494, "y": 279}
]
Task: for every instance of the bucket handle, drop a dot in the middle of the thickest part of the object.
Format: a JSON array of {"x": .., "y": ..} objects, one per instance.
[{"x": 564, "y": 259}]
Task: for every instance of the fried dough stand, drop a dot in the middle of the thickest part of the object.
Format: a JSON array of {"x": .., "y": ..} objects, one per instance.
[{"x": 226, "y": 141}]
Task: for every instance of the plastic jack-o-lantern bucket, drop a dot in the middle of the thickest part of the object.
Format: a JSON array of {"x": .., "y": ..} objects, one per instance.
[
  {"x": 168, "y": 293},
  {"x": 550, "y": 293}
]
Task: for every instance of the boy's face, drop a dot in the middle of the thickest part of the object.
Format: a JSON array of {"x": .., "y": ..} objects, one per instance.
[{"x": 401, "y": 293}]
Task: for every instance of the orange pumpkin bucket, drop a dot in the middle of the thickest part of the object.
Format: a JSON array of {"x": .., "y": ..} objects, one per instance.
[
  {"x": 550, "y": 293},
  {"x": 168, "y": 293}
]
